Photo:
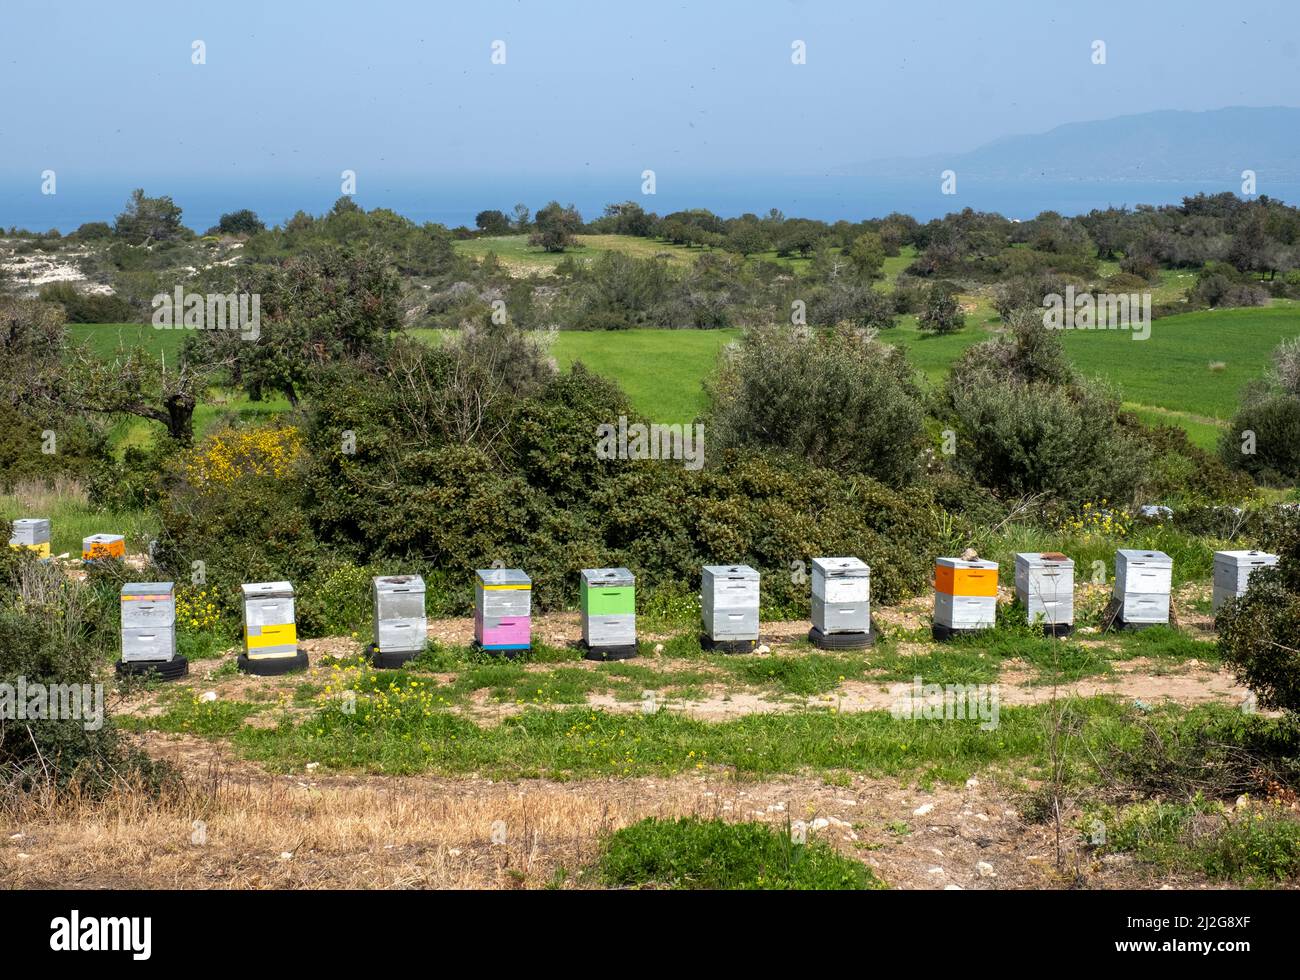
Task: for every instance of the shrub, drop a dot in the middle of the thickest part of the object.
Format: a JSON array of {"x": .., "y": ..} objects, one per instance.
[
  {"x": 941, "y": 313},
  {"x": 838, "y": 398},
  {"x": 1274, "y": 421}
]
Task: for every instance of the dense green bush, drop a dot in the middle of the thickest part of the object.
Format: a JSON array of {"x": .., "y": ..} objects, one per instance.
[
  {"x": 52, "y": 631},
  {"x": 836, "y": 398}
]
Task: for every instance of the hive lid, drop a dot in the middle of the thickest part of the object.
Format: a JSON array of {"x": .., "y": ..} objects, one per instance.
[
  {"x": 103, "y": 538},
  {"x": 503, "y": 576},
  {"x": 267, "y": 590},
  {"x": 31, "y": 522},
  {"x": 398, "y": 583},
  {"x": 731, "y": 571},
  {"x": 831, "y": 567},
  {"x": 1043, "y": 558},
  {"x": 1237, "y": 556},
  {"x": 964, "y": 563},
  {"x": 148, "y": 588},
  {"x": 1136, "y": 555},
  {"x": 608, "y": 576}
]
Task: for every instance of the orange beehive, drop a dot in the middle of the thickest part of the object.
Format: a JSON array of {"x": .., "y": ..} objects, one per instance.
[
  {"x": 953, "y": 576},
  {"x": 99, "y": 546}
]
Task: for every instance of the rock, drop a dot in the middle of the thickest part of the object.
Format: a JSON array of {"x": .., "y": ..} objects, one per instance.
[
  {"x": 659, "y": 648},
  {"x": 821, "y": 823},
  {"x": 208, "y": 696},
  {"x": 972, "y": 783},
  {"x": 311, "y": 766},
  {"x": 934, "y": 871},
  {"x": 923, "y": 809},
  {"x": 952, "y": 888},
  {"x": 453, "y": 852},
  {"x": 286, "y": 855},
  {"x": 985, "y": 870},
  {"x": 762, "y": 648}
]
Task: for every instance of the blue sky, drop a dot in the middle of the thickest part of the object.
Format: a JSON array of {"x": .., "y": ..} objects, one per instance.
[{"x": 291, "y": 89}]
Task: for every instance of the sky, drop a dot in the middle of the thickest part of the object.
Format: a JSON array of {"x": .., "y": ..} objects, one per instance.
[
  {"x": 294, "y": 88},
  {"x": 108, "y": 94}
]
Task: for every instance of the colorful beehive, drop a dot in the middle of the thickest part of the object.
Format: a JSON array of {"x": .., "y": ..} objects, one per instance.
[
  {"x": 729, "y": 604},
  {"x": 270, "y": 630},
  {"x": 1045, "y": 587},
  {"x": 502, "y": 610},
  {"x": 32, "y": 533},
  {"x": 841, "y": 599},
  {"x": 1232, "y": 571},
  {"x": 608, "y": 601},
  {"x": 401, "y": 628},
  {"x": 101, "y": 546},
  {"x": 1142, "y": 583},
  {"x": 965, "y": 595},
  {"x": 148, "y": 621}
]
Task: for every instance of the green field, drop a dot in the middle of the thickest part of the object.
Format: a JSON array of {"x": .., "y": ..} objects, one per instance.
[{"x": 1189, "y": 372}]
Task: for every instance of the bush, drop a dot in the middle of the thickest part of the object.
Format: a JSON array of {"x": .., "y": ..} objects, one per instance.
[
  {"x": 1274, "y": 420},
  {"x": 941, "y": 313},
  {"x": 81, "y": 307},
  {"x": 51, "y": 632},
  {"x": 1258, "y": 637},
  {"x": 838, "y": 399}
]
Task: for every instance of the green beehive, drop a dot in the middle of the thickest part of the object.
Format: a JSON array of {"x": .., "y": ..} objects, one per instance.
[{"x": 608, "y": 613}]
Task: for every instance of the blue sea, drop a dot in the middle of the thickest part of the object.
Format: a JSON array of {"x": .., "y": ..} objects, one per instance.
[{"x": 454, "y": 201}]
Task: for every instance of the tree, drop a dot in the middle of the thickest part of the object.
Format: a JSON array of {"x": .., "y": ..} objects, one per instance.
[
  {"x": 242, "y": 222},
  {"x": 556, "y": 226},
  {"x": 941, "y": 313},
  {"x": 134, "y": 382},
  {"x": 745, "y": 238},
  {"x": 492, "y": 223},
  {"x": 149, "y": 219},
  {"x": 867, "y": 253},
  {"x": 328, "y": 305},
  {"x": 522, "y": 217}
]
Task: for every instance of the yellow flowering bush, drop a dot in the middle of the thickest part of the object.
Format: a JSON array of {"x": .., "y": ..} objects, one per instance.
[
  {"x": 232, "y": 455},
  {"x": 197, "y": 608},
  {"x": 1098, "y": 519}
]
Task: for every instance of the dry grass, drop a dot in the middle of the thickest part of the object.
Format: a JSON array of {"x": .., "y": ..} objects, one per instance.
[{"x": 45, "y": 496}]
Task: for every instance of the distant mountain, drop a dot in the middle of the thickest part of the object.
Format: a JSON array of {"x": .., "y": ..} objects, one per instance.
[{"x": 1168, "y": 145}]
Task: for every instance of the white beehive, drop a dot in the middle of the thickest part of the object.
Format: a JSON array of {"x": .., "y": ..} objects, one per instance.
[
  {"x": 148, "y": 621},
  {"x": 1232, "y": 571},
  {"x": 1142, "y": 583},
  {"x": 729, "y": 602},
  {"x": 1045, "y": 587},
  {"x": 270, "y": 628},
  {"x": 400, "y": 623},
  {"x": 841, "y": 595}
]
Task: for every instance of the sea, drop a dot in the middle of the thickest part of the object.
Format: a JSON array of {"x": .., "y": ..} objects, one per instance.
[{"x": 455, "y": 200}]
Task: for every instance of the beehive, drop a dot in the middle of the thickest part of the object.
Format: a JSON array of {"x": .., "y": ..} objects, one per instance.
[
  {"x": 841, "y": 595},
  {"x": 729, "y": 602},
  {"x": 400, "y": 623},
  {"x": 965, "y": 594},
  {"x": 148, "y": 621},
  {"x": 100, "y": 546},
  {"x": 1045, "y": 587},
  {"x": 1142, "y": 583},
  {"x": 608, "y": 602},
  {"x": 32, "y": 533},
  {"x": 1232, "y": 571},
  {"x": 270, "y": 630},
  {"x": 502, "y": 610}
]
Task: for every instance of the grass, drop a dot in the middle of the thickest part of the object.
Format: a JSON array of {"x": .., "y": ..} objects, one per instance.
[
  {"x": 710, "y": 854},
  {"x": 1258, "y": 844},
  {"x": 72, "y": 517},
  {"x": 515, "y": 252}
]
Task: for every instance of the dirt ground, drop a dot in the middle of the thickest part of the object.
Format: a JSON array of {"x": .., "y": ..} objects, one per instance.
[
  {"x": 242, "y": 828},
  {"x": 238, "y": 826}
]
